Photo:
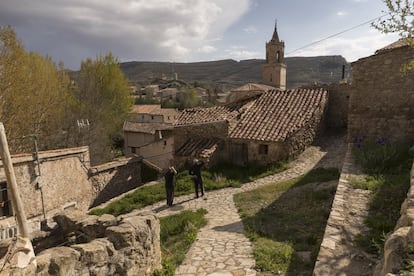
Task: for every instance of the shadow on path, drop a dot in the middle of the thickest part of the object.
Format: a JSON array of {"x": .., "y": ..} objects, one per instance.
[{"x": 235, "y": 227}]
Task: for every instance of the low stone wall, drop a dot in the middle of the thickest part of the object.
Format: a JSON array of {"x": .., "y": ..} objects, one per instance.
[
  {"x": 114, "y": 178},
  {"x": 338, "y": 255},
  {"x": 67, "y": 182},
  {"x": 106, "y": 245},
  {"x": 400, "y": 243},
  {"x": 63, "y": 180}
]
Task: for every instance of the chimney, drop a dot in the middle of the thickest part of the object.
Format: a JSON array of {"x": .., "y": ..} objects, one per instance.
[{"x": 343, "y": 80}]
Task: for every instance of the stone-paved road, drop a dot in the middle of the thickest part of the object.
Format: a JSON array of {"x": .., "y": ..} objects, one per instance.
[{"x": 221, "y": 247}]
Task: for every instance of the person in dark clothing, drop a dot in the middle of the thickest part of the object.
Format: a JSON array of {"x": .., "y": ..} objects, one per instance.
[
  {"x": 195, "y": 171},
  {"x": 169, "y": 177}
]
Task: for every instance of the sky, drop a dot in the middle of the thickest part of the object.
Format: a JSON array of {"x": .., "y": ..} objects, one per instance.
[{"x": 192, "y": 30}]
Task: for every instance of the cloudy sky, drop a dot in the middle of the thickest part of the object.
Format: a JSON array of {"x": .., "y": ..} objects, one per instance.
[{"x": 192, "y": 30}]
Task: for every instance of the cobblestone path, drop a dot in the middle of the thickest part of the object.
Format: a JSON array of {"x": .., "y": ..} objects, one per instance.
[{"x": 221, "y": 248}]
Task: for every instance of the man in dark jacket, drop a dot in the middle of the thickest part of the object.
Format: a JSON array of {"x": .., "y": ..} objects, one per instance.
[
  {"x": 195, "y": 171},
  {"x": 169, "y": 177}
]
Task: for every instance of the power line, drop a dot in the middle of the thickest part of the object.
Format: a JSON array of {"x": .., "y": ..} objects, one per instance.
[{"x": 339, "y": 33}]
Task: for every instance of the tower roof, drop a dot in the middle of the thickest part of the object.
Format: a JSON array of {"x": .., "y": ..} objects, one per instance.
[{"x": 275, "y": 36}]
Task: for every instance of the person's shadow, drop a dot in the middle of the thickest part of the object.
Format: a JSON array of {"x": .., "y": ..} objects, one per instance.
[{"x": 176, "y": 206}]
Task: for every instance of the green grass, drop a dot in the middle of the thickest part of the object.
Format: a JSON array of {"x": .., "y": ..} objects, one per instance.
[
  {"x": 388, "y": 177},
  {"x": 288, "y": 217},
  {"x": 219, "y": 177},
  {"x": 177, "y": 234}
]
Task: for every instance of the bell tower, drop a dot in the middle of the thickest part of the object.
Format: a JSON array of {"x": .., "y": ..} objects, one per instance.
[{"x": 274, "y": 70}]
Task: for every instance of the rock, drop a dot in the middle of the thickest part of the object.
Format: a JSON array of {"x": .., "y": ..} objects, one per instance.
[
  {"x": 58, "y": 261},
  {"x": 121, "y": 236},
  {"x": 67, "y": 221},
  {"x": 394, "y": 251}
]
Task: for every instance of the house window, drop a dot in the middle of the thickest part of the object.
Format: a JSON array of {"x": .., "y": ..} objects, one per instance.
[
  {"x": 152, "y": 117},
  {"x": 165, "y": 142},
  {"x": 263, "y": 149},
  {"x": 5, "y": 208},
  {"x": 133, "y": 150}
]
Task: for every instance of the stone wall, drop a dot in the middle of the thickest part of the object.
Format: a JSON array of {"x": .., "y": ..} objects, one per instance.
[
  {"x": 381, "y": 104},
  {"x": 214, "y": 130},
  {"x": 67, "y": 182},
  {"x": 275, "y": 152},
  {"x": 298, "y": 141},
  {"x": 64, "y": 183},
  {"x": 106, "y": 245},
  {"x": 115, "y": 178},
  {"x": 336, "y": 114}
]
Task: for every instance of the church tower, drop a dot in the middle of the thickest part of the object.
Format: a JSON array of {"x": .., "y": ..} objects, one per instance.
[{"x": 274, "y": 70}]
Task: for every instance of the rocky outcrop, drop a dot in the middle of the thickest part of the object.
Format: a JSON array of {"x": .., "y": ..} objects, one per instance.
[{"x": 103, "y": 245}]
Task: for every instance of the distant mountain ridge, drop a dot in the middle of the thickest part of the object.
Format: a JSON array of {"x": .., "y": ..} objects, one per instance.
[{"x": 230, "y": 73}]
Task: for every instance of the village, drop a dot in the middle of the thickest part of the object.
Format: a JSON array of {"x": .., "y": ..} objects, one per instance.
[{"x": 257, "y": 123}]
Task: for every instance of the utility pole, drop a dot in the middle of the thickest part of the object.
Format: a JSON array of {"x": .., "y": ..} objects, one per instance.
[
  {"x": 25, "y": 256},
  {"x": 12, "y": 183}
]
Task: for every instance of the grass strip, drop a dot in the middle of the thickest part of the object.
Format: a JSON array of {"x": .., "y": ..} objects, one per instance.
[
  {"x": 177, "y": 234},
  {"x": 286, "y": 221}
]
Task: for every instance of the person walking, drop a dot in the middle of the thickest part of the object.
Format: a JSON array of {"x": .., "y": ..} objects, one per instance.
[
  {"x": 170, "y": 180},
  {"x": 195, "y": 171}
]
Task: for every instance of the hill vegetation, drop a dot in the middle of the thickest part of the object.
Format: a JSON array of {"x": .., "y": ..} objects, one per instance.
[{"x": 230, "y": 73}]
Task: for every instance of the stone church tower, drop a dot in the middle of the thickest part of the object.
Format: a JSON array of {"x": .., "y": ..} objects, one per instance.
[{"x": 274, "y": 70}]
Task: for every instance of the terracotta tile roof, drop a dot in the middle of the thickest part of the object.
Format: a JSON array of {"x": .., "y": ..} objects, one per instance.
[
  {"x": 276, "y": 114},
  {"x": 201, "y": 148},
  {"x": 149, "y": 128},
  {"x": 154, "y": 110},
  {"x": 146, "y": 108},
  {"x": 397, "y": 44},
  {"x": 200, "y": 115},
  {"x": 253, "y": 87}
]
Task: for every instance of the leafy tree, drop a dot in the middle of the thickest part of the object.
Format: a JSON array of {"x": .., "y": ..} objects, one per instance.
[
  {"x": 400, "y": 20},
  {"x": 103, "y": 98},
  {"x": 33, "y": 94}
]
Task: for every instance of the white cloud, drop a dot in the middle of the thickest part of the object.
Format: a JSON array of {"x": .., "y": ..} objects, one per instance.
[
  {"x": 206, "y": 49},
  {"x": 240, "y": 53},
  {"x": 341, "y": 13},
  {"x": 351, "y": 48},
  {"x": 250, "y": 30},
  {"x": 131, "y": 29}
]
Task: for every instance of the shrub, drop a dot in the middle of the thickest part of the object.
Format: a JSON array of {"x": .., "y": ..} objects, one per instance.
[{"x": 381, "y": 156}]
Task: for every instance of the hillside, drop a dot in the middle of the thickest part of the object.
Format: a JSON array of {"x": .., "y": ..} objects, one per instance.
[{"x": 231, "y": 73}]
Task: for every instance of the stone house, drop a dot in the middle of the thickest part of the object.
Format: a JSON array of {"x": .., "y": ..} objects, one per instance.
[
  {"x": 153, "y": 141},
  {"x": 382, "y": 99},
  {"x": 169, "y": 93},
  {"x": 152, "y": 113},
  {"x": 264, "y": 128},
  {"x": 148, "y": 133},
  {"x": 149, "y": 91}
]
